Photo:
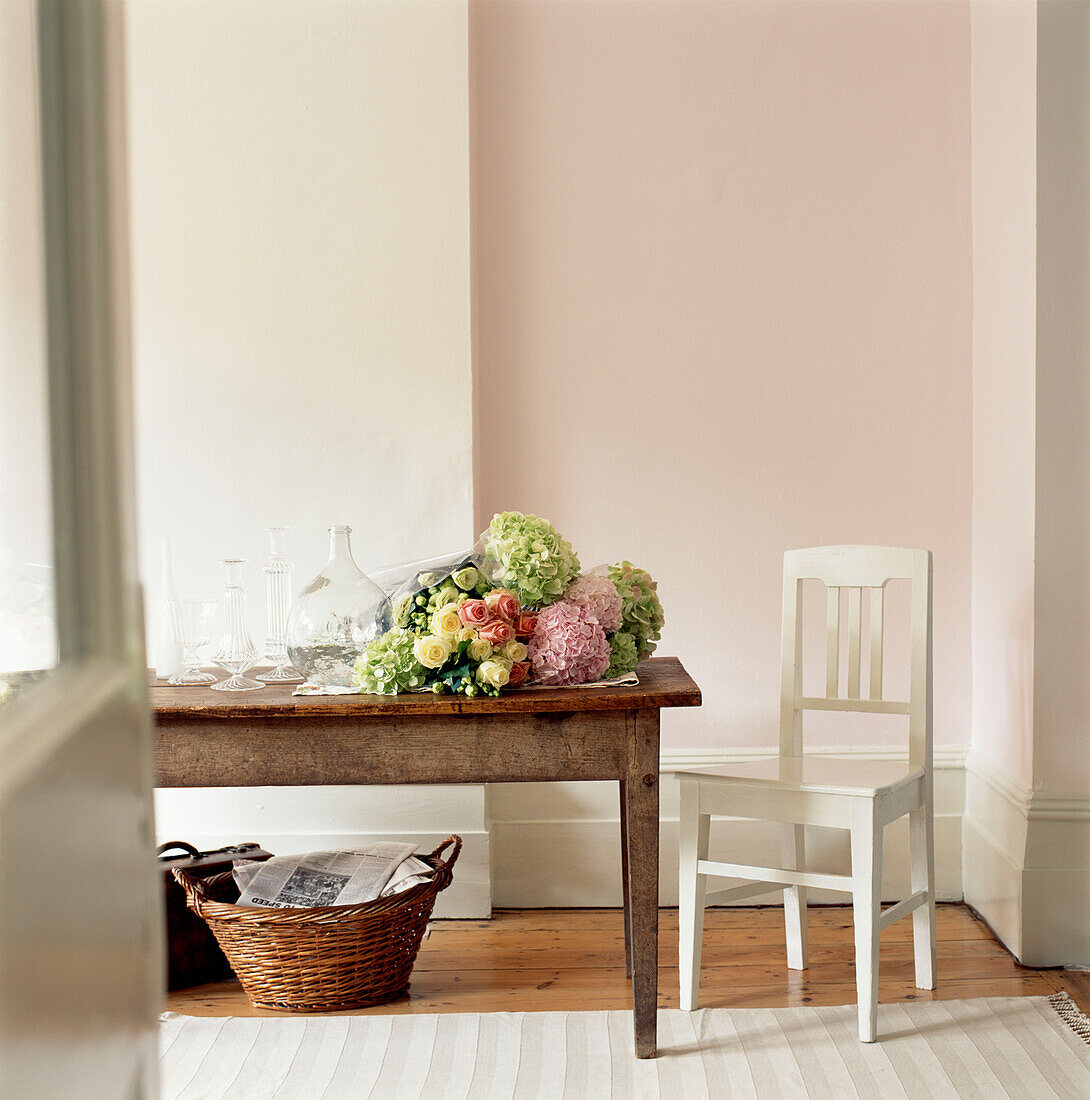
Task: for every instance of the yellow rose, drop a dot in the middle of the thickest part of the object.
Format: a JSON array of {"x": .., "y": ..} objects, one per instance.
[
  {"x": 494, "y": 673},
  {"x": 466, "y": 634},
  {"x": 514, "y": 651},
  {"x": 478, "y": 650},
  {"x": 445, "y": 621},
  {"x": 432, "y": 651}
]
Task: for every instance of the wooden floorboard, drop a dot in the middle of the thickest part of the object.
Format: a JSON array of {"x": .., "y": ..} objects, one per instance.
[{"x": 539, "y": 960}]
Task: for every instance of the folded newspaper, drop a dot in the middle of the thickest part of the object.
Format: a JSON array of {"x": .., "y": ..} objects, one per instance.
[{"x": 342, "y": 877}]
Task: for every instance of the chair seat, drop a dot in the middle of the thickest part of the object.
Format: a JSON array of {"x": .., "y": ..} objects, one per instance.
[{"x": 814, "y": 773}]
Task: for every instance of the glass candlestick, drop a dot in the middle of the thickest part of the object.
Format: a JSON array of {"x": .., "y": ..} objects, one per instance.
[
  {"x": 278, "y": 571},
  {"x": 237, "y": 652}
]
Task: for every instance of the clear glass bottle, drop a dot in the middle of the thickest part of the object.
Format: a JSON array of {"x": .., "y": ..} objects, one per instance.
[
  {"x": 335, "y": 617},
  {"x": 278, "y": 571},
  {"x": 168, "y": 653},
  {"x": 237, "y": 651}
]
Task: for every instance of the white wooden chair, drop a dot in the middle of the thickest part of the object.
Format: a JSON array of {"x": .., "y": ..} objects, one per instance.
[{"x": 799, "y": 790}]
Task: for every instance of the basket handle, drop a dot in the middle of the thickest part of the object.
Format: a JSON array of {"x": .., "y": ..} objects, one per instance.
[
  {"x": 444, "y": 868},
  {"x": 170, "y": 845},
  {"x": 195, "y": 889}
]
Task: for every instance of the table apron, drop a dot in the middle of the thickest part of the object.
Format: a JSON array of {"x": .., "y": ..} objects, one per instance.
[{"x": 200, "y": 751}]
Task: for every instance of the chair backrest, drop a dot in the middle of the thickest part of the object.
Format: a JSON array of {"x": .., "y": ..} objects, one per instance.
[{"x": 856, "y": 568}]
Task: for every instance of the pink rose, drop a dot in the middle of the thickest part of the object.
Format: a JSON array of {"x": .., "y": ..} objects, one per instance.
[
  {"x": 496, "y": 632},
  {"x": 527, "y": 621},
  {"x": 519, "y": 672},
  {"x": 473, "y": 613},
  {"x": 503, "y": 604}
]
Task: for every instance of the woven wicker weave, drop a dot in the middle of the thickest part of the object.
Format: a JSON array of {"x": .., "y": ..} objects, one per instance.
[{"x": 322, "y": 959}]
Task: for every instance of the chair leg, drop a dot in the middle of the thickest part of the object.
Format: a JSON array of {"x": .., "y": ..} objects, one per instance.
[
  {"x": 921, "y": 835},
  {"x": 694, "y": 846},
  {"x": 866, "y": 909},
  {"x": 793, "y": 847}
]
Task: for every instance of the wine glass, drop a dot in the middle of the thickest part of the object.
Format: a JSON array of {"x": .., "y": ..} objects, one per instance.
[
  {"x": 190, "y": 627},
  {"x": 237, "y": 651}
]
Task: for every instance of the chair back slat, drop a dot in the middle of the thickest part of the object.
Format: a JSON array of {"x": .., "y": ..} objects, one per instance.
[
  {"x": 877, "y": 596},
  {"x": 855, "y": 629},
  {"x": 856, "y": 568},
  {"x": 832, "y": 645}
]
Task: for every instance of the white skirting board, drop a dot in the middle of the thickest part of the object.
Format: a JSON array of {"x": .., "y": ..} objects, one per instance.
[
  {"x": 558, "y": 844},
  {"x": 307, "y": 819},
  {"x": 1027, "y": 865}
]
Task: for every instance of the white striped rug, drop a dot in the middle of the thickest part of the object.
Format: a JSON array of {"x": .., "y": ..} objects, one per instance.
[{"x": 1017, "y": 1047}]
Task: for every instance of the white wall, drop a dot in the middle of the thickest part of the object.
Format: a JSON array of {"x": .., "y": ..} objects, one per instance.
[
  {"x": 300, "y": 202},
  {"x": 1027, "y": 820},
  {"x": 1062, "y": 699},
  {"x": 300, "y": 237}
]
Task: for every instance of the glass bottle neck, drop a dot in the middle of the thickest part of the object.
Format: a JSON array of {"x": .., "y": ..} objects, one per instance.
[{"x": 340, "y": 545}]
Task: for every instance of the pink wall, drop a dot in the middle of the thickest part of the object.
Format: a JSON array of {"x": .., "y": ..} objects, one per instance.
[
  {"x": 724, "y": 307},
  {"x": 723, "y": 278}
]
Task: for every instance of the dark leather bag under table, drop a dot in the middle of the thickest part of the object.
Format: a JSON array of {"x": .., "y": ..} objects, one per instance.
[{"x": 193, "y": 956}]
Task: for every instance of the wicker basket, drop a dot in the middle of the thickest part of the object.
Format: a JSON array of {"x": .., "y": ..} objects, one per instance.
[{"x": 322, "y": 959}]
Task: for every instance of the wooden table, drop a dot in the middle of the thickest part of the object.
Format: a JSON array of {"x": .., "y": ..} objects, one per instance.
[{"x": 270, "y": 738}]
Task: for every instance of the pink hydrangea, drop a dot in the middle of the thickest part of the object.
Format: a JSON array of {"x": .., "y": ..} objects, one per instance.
[
  {"x": 567, "y": 646},
  {"x": 599, "y": 599}
]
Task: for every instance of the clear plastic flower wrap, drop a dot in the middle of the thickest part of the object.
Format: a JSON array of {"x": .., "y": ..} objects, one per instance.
[{"x": 418, "y": 589}]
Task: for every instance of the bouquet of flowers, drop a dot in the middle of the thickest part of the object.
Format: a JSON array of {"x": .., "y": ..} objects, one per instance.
[{"x": 514, "y": 610}]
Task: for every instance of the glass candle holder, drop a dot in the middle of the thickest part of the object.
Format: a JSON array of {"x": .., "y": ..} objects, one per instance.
[
  {"x": 237, "y": 651},
  {"x": 278, "y": 572}
]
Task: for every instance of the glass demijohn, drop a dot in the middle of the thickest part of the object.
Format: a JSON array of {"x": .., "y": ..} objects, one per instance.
[
  {"x": 278, "y": 571},
  {"x": 237, "y": 652},
  {"x": 190, "y": 627},
  {"x": 335, "y": 617}
]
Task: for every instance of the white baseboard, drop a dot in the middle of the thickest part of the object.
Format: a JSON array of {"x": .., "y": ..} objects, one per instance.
[
  {"x": 308, "y": 819},
  {"x": 557, "y": 844},
  {"x": 1027, "y": 860}
]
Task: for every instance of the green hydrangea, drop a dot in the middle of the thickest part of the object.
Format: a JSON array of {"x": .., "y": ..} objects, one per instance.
[
  {"x": 388, "y": 665},
  {"x": 529, "y": 557},
  {"x": 641, "y": 612},
  {"x": 623, "y": 655}
]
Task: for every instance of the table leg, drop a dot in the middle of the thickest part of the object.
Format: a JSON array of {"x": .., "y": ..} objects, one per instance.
[
  {"x": 625, "y": 887},
  {"x": 642, "y": 810}
]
